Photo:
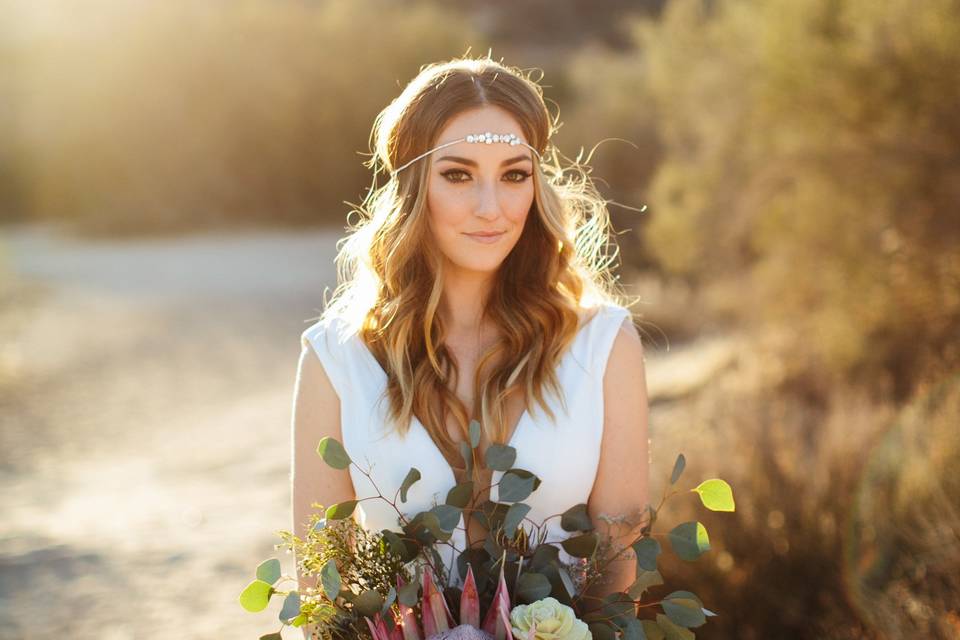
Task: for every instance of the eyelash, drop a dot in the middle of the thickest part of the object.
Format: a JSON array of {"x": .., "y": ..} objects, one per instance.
[{"x": 447, "y": 174}]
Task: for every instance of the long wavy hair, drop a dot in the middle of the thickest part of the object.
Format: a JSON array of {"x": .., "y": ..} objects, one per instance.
[{"x": 391, "y": 275}]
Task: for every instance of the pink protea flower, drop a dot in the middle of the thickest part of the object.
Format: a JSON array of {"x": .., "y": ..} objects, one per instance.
[{"x": 438, "y": 622}]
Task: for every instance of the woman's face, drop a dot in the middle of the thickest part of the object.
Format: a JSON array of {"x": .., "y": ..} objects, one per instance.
[{"x": 477, "y": 188}]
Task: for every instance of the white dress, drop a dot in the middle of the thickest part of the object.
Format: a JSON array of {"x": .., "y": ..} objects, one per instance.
[{"x": 564, "y": 455}]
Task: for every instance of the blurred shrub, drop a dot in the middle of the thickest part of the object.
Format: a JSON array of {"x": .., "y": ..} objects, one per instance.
[
  {"x": 810, "y": 178},
  {"x": 148, "y": 116},
  {"x": 904, "y": 543}
]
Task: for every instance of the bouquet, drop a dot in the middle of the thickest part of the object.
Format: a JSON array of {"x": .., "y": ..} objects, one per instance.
[{"x": 386, "y": 585}]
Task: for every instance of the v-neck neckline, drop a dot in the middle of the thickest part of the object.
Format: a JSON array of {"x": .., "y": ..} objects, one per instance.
[
  {"x": 511, "y": 442},
  {"x": 451, "y": 474}
]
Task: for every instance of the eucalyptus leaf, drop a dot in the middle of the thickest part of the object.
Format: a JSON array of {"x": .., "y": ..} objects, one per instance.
[
  {"x": 474, "y": 434},
  {"x": 467, "y": 454},
  {"x": 689, "y": 540},
  {"x": 272, "y": 636},
  {"x": 256, "y": 596},
  {"x": 459, "y": 496},
  {"x": 368, "y": 603},
  {"x": 652, "y": 630},
  {"x": 448, "y": 516},
  {"x": 716, "y": 495},
  {"x": 408, "y": 594},
  {"x": 330, "y": 580},
  {"x": 412, "y": 476},
  {"x": 645, "y": 580},
  {"x": 576, "y": 518},
  {"x": 333, "y": 453},
  {"x": 424, "y": 526},
  {"x": 499, "y": 457},
  {"x": 602, "y": 631},
  {"x": 291, "y": 607},
  {"x": 532, "y": 587},
  {"x": 684, "y": 612},
  {"x": 269, "y": 570},
  {"x": 515, "y": 515},
  {"x": 341, "y": 510},
  {"x": 514, "y": 487},
  {"x": 647, "y": 550},
  {"x": 581, "y": 546},
  {"x": 632, "y": 630},
  {"x": 678, "y": 468},
  {"x": 673, "y": 631},
  {"x": 388, "y": 601}
]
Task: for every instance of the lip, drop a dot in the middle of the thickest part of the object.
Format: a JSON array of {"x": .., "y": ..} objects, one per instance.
[{"x": 487, "y": 237}]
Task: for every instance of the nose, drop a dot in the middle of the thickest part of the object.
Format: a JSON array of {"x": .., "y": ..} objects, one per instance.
[{"x": 487, "y": 205}]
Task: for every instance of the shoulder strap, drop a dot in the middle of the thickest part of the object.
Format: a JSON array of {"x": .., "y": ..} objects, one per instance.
[
  {"x": 334, "y": 349},
  {"x": 602, "y": 334}
]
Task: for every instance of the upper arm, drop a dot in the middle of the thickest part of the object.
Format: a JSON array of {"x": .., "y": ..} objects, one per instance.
[
  {"x": 621, "y": 488},
  {"x": 316, "y": 414}
]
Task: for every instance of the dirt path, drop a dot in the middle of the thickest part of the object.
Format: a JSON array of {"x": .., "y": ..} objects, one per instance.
[{"x": 145, "y": 393}]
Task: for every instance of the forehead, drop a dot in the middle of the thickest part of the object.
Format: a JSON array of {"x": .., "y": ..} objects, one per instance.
[{"x": 480, "y": 120}]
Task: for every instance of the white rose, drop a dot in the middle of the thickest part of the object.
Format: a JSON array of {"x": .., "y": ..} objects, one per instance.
[{"x": 549, "y": 620}]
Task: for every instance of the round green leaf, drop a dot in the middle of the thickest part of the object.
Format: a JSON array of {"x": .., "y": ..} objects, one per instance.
[
  {"x": 291, "y": 607},
  {"x": 499, "y": 457},
  {"x": 652, "y": 630},
  {"x": 447, "y": 516},
  {"x": 269, "y": 570},
  {"x": 256, "y": 596},
  {"x": 333, "y": 453},
  {"x": 408, "y": 594},
  {"x": 673, "y": 631},
  {"x": 412, "y": 476},
  {"x": 689, "y": 540},
  {"x": 515, "y": 515},
  {"x": 684, "y": 612},
  {"x": 369, "y": 602},
  {"x": 330, "y": 580},
  {"x": 474, "y": 434},
  {"x": 532, "y": 587},
  {"x": 645, "y": 580},
  {"x": 602, "y": 631},
  {"x": 341, "y": 510},
  {"x": 576, "y": 518},
  {"x": 646, "y": 550},
  {"x": 514, "y": 487},
  {"x": 467, "y": 454},
  {"x": 460, "y": 495},
  {"x": 678, "y": 468},
  {"x": 581, "y": 546},
  {"x": 272, "y": 636},
  {"x": 716, "y": 495}
]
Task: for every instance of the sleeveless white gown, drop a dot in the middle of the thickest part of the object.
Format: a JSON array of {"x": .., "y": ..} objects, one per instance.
[{"x": 564, "y": 454}]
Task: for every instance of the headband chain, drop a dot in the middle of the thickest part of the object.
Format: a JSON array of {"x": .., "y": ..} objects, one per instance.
[{"x": 481, "y": 138}]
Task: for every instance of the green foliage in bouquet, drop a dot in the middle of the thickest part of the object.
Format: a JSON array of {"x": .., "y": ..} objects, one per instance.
[{"x": 376, "y": 585}]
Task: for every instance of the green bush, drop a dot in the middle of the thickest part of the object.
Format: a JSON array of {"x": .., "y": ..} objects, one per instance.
[{"x": 810, "y": 177}]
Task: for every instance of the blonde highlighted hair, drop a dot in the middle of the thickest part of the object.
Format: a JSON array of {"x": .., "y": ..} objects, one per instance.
[{"x": 391, "y": 276}]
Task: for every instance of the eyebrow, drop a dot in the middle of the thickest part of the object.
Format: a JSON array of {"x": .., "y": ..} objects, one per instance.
[{"x": 472, "y": 163}]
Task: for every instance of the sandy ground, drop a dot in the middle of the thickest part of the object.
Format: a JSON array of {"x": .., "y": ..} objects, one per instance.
[{"x": 145, "y": 399}]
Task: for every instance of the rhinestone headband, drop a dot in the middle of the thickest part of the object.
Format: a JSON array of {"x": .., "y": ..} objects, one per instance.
[{"x": 477, "y": 138}]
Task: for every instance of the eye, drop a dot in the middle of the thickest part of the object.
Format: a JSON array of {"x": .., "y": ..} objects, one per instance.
[
  {"x": 452, "y": 172},
  {"x": 519, "y": 176}
]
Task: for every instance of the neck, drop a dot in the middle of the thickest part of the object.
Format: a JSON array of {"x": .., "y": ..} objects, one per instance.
[{"x": 464, "y": 298}]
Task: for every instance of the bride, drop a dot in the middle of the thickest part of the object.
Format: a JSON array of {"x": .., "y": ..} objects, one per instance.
[{"x": 474, "y": 288}]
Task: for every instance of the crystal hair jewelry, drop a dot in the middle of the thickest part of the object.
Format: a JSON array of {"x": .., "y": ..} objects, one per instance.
[{"x": 477, "y": 138}]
